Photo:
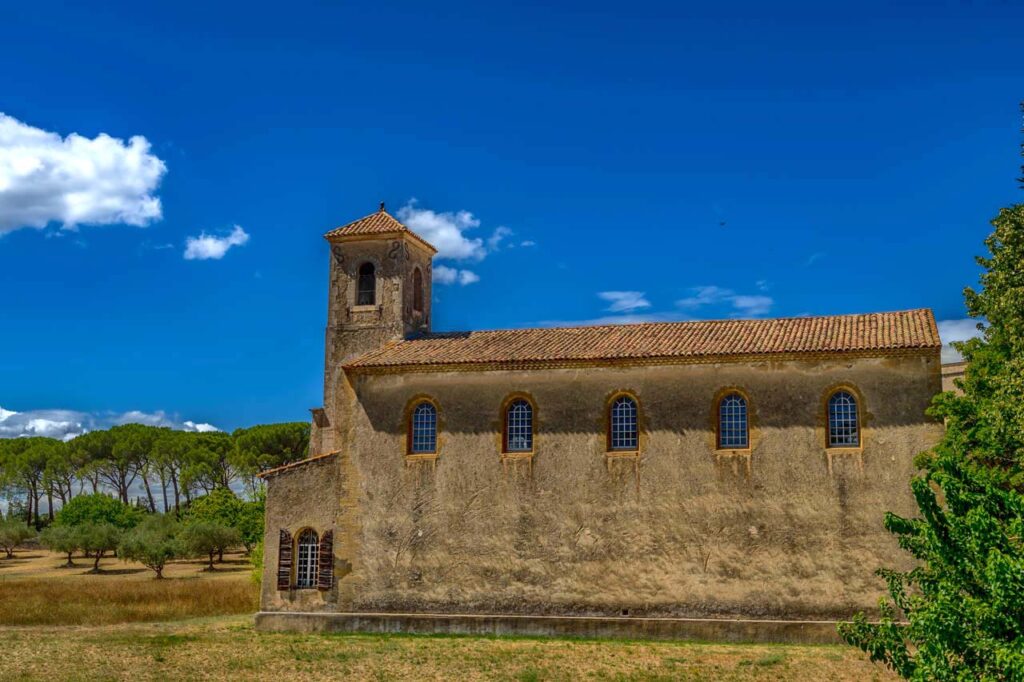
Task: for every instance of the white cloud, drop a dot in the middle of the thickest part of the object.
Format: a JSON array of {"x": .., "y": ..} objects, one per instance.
[
  {"x": 207, "y": 247},
  {"x": 66, "y": 424},
  {"x": 446, "y": 231},
  {"x": 634, "y": 318},
  {"x": 742, "y": 304},
  {"x": 813, "y": 258},
  {"x": 201, "y": 427},
  {"x": 446, "y": 275},
  {"x": 75, "y": 180},
  {"x": 624, "y": 301},
  {"x": 500, "y": 233},
  {"x": 956, "y": 330},
  {"x": 752, "y": 305},
  {"x": 527, "y": 243},
  {"x": 467, "y": 277}
]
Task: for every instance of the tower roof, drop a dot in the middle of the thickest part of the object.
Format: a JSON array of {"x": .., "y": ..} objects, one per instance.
[{"x": 377, "y": 225}]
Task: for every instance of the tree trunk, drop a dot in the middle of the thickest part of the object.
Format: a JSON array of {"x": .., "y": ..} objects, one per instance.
[
  {"x": 163, "y": 488},
  {"x": 96, "y": 564},
  {"x": 70, "y": 563},
  {"x": 177, "y": 495},
  {"x": 220, "y": 555},
  {"x": 210, "y": 567},
  {"x": 49, "y": 502},
  {"x": 149, "y": 493},
  {"x": 159, "y": 572}
]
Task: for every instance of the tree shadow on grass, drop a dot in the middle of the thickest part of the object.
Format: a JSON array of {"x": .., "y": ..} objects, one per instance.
[
  {"x": 116, "y": 571},
  {"x": 221, "y": 568}
]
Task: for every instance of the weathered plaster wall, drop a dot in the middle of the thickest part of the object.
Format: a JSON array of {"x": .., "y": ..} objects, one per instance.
[
  {"x": 681, "y": 531},
  {"x": 307, "y": 496}
]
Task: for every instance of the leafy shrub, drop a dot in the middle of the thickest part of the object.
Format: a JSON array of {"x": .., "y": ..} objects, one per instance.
[
  {"x": 152, "y": 543},
  {"x": 12, "y": 534}
]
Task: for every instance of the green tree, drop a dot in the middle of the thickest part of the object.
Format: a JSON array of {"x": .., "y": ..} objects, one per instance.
[
  {"x": 960, "y": 613},
  {"x": 220, "y": 506},
  {"x": 12, "y": 534},
  {"x": 133, "y": 445},
  {"x": 250, "y": 521},
  {"x": 97, "y": 509},
  {"x": 59, "y": 475},
  {"x": 266, "y": 446},
  {"x": 256, "y": 560},
  {"x": 152, "y": 543},
  {"x": 168, "y": 456},
  {"x": 64, "y": 539},
  {"x": 98, "y": 539},
  {"x": 208, "y": 538},
  {"x": 207, "y": 466},
  {"x": 25, "y": 461}
]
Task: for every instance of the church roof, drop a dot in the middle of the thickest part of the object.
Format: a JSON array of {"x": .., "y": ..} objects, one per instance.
[
  {"x": 378, "y": 224},
  {"x": 659, "y": 342}
]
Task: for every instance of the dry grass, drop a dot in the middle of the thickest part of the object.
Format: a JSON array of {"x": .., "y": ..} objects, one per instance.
[
  {"x": 33, "y": 591},
  {"x": 100, "y": 600},
  {"x": 228, "y": 647},
  {"x": 65, "y": 624}
]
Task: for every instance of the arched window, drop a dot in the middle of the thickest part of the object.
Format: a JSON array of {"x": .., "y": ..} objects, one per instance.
[
  {"x": 417, "y": 290},
  {"x": 623, "y": 433},
  {"x": 843, "y": 422},
  {"x": 733, "y": 429},
  {"x": 366, "y": 290},
  {"x": 519, "y": 426},
  {"x": 307, "y": 559},
  {"x": 423, "y": 429}
]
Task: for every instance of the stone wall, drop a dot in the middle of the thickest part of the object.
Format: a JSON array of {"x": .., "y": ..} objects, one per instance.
[
  {"x": 793, "y": 530},
  {"x": 305, "y": 496}
]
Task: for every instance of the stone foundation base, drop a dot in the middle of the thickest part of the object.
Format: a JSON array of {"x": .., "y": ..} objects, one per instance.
[{"x": 693, "y": 629}]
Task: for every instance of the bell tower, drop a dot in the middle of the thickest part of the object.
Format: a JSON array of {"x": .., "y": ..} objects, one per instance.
[{"x": 379, "y": 291}]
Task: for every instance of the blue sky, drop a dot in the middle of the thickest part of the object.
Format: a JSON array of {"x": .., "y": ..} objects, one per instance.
[{"x": 583, "y": 161}]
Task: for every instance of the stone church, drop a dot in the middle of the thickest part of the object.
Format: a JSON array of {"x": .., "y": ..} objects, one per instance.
[{"x": 618, "y": 480}]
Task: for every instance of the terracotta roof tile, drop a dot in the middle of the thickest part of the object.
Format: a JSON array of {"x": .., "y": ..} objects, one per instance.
[
  {"x": 380, "y": 222},
  {"x": 896, "y": 331}
]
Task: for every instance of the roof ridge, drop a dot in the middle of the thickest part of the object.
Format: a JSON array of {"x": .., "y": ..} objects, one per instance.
[
  {"x": 376, "y": 224},
  {"x": 636, "y": 325}
]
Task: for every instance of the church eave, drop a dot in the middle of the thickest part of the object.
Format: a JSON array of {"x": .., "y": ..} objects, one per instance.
[{"x": 581, "y": 363}]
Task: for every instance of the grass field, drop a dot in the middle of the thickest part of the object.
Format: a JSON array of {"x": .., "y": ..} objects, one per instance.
[
  {"x": 34, "y": 591},
  {"x": 63, "y": 624}
]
